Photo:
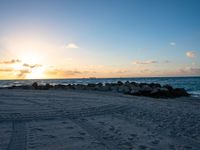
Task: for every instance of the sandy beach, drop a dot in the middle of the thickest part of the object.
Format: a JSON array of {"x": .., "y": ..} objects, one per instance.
[{"x": 87, "y": 120}]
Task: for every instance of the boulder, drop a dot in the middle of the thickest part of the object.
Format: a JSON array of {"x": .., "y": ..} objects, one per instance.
[
  {"x": 114, "y": 88},
  {"x": 127, "y": 83},
  {"x": 48, "y": 86},
  {"x": 42, "y": 87},
  {"x": 69, "y": 86},
  {"x": 161, "y": 93},
  {"x": 120, "y": 83},
  {"x": 146, "y": 88},
  {"x": 169, "y": 87},
  {"x": 133, "y": 84},
  {"x": 79, "y": 87},
  {"x": 91, "y": 85},
  {"x": 26, "y": 87},
  {"x": 104, "y": 88},
  {"x": 155, "y": 85},
  {"x": 107, "y": 87},
  {"x": 178, "y": 92},
  {"x": 35, "y": 85},
  {"x": 135, "y": 92},
  {"x": 99, "y": 84},
  {"x": 60, "y": 86},
  {"x": 156, "y": 93},
  {"x": 123, "y": 89}
]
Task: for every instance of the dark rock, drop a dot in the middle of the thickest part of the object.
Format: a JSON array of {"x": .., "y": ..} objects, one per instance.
[
  {"x": 123, "y": 89},
  {"x": 26, "y": 87},
  {"x": 105, "y": 88},
  {"x": 12, "y": 87},
  {"x": 178, "y": 92},
  {"x": 133, "y": 84},
  {"x": 161, "y": 93},
  {"x": 35, "y": 85},
  {"x": 42, "y": 87},
  {"x": 48, "y": 86},
  {"x": 80, "y": 87},
  {"x": 127, "y": 83},
  {"x": 91, "y": 85},
  {"x": 155, "y": 85},
  {"x": 60, "y": 86},
  {"x": 99, "y": 84},
  {"x": 135, "y": 92},
  {"x": 169, "y": 87},
  {"x": 146, "y": 88},
  {"x": 120, "y": 83},
  {"x": 114, "y": 88}
]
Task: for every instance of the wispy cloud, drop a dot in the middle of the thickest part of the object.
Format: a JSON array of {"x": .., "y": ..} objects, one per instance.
[
  {"x": 145, "y": 62},
  {"x": 10, "y": 61},
  {"x": 32, "y": 66},
  {"x": 22, "y": 73},
  {"x": 63, "y": 73},
  {"x": 71, "y": 46},
  {"x": 172, "y": 43},
  {"x": 190, "y": 54},
  {"x": 190, "y": 71},
  {"x": 16, "y": 73},
  {"x": 6, "y": 70},
  {"x": 166, "y": 61}
]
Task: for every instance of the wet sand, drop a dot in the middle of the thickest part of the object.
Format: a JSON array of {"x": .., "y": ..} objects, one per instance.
[{"x": 87, "y": 120}]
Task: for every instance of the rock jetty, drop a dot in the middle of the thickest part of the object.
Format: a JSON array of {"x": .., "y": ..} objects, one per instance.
[{"x": 154, "y": 90}]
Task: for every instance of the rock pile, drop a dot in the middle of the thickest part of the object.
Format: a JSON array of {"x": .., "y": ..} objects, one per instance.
[{"x": 132, "y": 88}]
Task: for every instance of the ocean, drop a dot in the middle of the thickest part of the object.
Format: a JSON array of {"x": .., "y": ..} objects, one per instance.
[{"x": 191, "y": 84}]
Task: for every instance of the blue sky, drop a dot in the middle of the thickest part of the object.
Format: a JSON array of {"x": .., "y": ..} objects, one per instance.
[{"x": 114, "y": 35}]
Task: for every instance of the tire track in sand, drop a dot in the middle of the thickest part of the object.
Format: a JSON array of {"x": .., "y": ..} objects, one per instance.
[
  {"x": 55, "y": 114},
  {"x": 145, "y": 124},
  {"x": 18, "y": 139},
  {"x": 96, "y": 133}
]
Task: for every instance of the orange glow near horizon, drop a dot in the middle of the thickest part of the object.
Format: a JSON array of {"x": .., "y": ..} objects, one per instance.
[{"x": 32, "y": 58}]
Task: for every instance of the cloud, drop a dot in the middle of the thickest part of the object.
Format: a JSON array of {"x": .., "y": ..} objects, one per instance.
[
  {"x": 190, "y": 71},
  {"x": 17, "y": 73},
  {"x": 172, "y": 43},
  {"x": 166, "y": 61},
  {"x": 6, "y": 70},
  {"x": 23, "y": 73},
  {"x": 63, "y": 73},
  {"x": 71, "y": 46},
  {"x": 13, "y": 61},
  {"x": 32, "y": 66},
  {"x": 145, "y": 62},
  {"x": 190, "y": 54}
]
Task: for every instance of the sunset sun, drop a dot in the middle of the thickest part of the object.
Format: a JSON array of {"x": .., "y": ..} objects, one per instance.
[{"x": 36, "y": 73}]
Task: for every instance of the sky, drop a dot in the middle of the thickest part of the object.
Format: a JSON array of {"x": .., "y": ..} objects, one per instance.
[{"x": 99, "y": 38}]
